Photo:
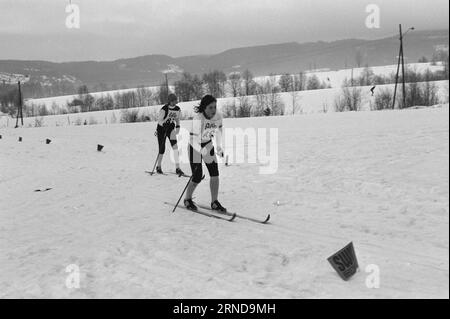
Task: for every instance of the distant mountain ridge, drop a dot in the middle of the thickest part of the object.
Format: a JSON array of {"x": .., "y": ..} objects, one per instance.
[{"x": 261, "y": 60}]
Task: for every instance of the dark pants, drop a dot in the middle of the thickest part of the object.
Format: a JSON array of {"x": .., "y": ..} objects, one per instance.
[
  {"x": 196, "y": 160},
  {"x": 162, "y": 134}
]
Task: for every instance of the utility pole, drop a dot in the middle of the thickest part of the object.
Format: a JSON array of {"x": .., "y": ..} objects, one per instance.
[
  {"x": 19, "y": 108},
  {"x": 401, "y": 61},
  {"x": 167, "y": 88},
  {"x": 403, "y": 67}
]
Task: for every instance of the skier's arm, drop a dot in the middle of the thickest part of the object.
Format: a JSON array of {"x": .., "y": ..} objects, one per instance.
[
  {"x": 197, "y": 134},
  {"x": 219, "y": 140},
  {"x": 161, "y": 115},
  {"x": 177, "y": 127}
]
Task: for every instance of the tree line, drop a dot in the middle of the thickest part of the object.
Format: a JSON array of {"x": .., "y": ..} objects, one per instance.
[{"x": 191, "y": 87}]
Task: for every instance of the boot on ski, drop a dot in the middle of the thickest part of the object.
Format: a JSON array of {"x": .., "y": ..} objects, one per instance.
[
  {"x": 179, "y": 172},
  {"x": 189, "y": 204},
  {"x": 159, "y": 170},
  {"x": 216, "y": 206}
]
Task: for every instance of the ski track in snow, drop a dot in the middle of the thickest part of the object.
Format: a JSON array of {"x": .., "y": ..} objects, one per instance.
[{"x": 379, "y": 179}]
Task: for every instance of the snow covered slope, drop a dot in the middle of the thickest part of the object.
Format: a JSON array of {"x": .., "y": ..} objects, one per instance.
[{"x": 379, "y": 179}]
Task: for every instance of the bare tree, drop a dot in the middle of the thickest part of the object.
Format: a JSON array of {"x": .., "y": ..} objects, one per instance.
[
  {"x": 350, "y": 100},
  {"x": 286, "y": 82},
  {"x": 189, "y": 87},
  {"x": 88, "y": 102},
  {"x": 444, "y": 58},
  {"x": 249, "y": 83},
  {"x": 295, "y": 97},
  {"x": 262, "y": 103},
  {"x": 162, "y": 94},
  {"x": 82, "y": 91},
  {"x": 144, "y": 96},
  {"x": 366, "y": 77},
  {"x": 275, "y": 104},
  {"x": 197, "y": 87},
  {"x": 383, "y": 100},
  {"x": 245, "y": 107},
  {"x": 299, "y": 81},
  {"x": 109, "y": 103},
  {"x": 183, "y": 87},
  {"x": 126, "y": 100},
  {"x": 235, "y": 82},
  {"x": 215, "y": 83},
  {"x": 55, "y": 108},
  {"x": 313, "y": 83},
  {"x": 422, "y": 94}
]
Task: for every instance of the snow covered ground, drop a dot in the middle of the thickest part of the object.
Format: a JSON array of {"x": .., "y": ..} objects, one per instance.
[{"x": 379, "y": 179}]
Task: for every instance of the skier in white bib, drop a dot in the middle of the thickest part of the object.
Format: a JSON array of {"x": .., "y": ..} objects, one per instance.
[{"x": 206, "y": 125}]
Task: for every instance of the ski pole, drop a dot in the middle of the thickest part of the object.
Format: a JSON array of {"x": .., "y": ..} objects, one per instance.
[
  {"x": 154, "y": 166},
  {"x": 184, "y": 191},
  {"x": 182, "y": 194},
  {"x": 157, "y": 156}
]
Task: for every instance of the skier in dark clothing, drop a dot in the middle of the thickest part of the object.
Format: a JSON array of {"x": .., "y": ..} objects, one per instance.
[{"x": 169, "y": 127}]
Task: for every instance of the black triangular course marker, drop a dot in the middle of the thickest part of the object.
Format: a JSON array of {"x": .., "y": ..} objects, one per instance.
[{"x": 345, "y": 262}]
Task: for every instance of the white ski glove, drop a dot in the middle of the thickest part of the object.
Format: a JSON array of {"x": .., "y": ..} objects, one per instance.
[
  {"x": 205, "y": 151},
  {"x": 220, "y": 151}
]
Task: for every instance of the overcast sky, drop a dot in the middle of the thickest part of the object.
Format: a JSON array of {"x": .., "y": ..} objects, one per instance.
[{"x": 111, "y": 29}]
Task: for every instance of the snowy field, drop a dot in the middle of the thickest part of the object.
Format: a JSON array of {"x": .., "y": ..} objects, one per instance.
[{"x": 379, "y": 179}]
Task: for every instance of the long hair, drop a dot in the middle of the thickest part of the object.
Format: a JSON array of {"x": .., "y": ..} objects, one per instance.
[{"x": 206, "y": 100}]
